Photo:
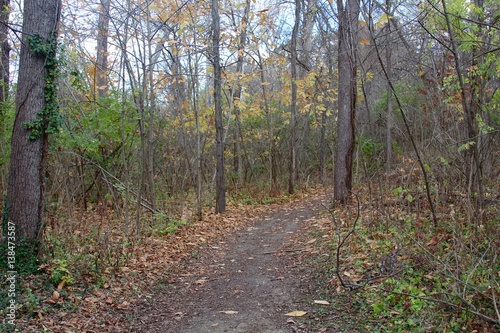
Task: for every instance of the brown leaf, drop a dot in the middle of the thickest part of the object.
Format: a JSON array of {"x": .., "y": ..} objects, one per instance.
[
  {"x": 61, "y": 285},
  {"x": 55, "y": 295}
]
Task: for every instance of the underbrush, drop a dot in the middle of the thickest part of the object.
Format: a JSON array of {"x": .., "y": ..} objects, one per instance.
[{"x": 401, "y": 274}]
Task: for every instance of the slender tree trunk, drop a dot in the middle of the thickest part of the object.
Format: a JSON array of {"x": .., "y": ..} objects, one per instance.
[
  {"x": 237, "y": 94},
  {"x": 347, "y": 93},
  {"x": 472, "y": 107},
  {"x": 390, "y": 120},
  {"x": 307, "y": 36},
  {"x": 151, "y": 115},
  {"x": 220, "y": 186},
  {"x": 27, "y": 170},
  {"x": 322, "y": 146},
  {"x": 292, "y": 176},
  {"x": 193, "y": 90},
  {"x": 270, "y": 128},
  {"x": 322, "y": 141},
  {"x": 4, "y": 54},
  {"x": 101, "y": 84},
  {"x": 4, "y": 68},
  {"x": 477, "y": 100}
]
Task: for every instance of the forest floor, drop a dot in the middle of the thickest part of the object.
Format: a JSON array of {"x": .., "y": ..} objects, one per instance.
[
  {"x": 248, "y": 270},
  {"x": 250, "y": 281},
  {"x": 289, "y": 265}
]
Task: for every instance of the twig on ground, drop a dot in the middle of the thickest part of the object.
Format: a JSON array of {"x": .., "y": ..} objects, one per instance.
[
  {"x": 437, "y": 300},
  {"x": 341, "y": 242}
]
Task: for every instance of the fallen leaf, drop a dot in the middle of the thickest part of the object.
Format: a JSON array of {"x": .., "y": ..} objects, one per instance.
[
  {"x": 229, "y": 312},
  {"x": 322, "y": 302},
  {"x": 55, "y": 295},
  {"x": 295, "y": 314},
  {"x": 124, "y": 306},
  {"x": 61, "y": 285}
]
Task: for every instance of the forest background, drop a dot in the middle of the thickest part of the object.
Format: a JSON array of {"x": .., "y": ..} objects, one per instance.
[{"x": 157, "y": 110}]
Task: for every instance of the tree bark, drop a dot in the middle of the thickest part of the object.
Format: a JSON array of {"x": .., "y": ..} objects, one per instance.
[
  {"x": 27, "y": 170},
  {"x": 293, "y": 123},
  {"x": 270, "y": 129},
  {"x": 238, "y": 165},
  {"x": 4, "y": 52},
  {"x": 220, "y": 186},
  {"x": 347, "y": 93},
  {"x": 390, "y": 120},
  {"x": 101, "y": 74}
]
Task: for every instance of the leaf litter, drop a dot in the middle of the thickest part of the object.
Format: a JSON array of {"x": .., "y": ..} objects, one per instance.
[{"x": 86, "y": 307}]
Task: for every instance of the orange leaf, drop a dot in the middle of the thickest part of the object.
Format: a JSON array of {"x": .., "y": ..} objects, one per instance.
[{"x": 364, "y": 41}]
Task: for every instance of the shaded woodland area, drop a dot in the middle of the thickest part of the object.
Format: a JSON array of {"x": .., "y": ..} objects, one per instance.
[{"x": 122, "y": 120}]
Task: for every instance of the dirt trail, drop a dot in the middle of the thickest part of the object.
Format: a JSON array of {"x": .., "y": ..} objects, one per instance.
[{"x": 245, "y": 283}]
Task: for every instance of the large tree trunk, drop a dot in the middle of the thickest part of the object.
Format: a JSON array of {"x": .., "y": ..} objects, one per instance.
[
  {"x": 27, "y": 169},
  {"x": 220, "y": 186},
  {"x": 347, "y": 92}
]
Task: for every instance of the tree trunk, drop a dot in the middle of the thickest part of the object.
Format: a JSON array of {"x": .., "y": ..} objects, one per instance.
[
  {"x": 4, "y": 53},
  {"x": 194, "y": 95},
  {"x": 322, "y": 147},
  {"x": 347, "y": 92},
  {"x": 220, "y": 186},
  {"x": 101, "y": 74},
  {"x": 390, "y": 120},
  {"x": 472, "y": 108},
  {"x": 151, "y": 115},
  {"x": 293, "y": 123},
  {"x": 27, "y": 169},
  {"x": 270, "y": 129},
  {"x": 238, "y": 165}
]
